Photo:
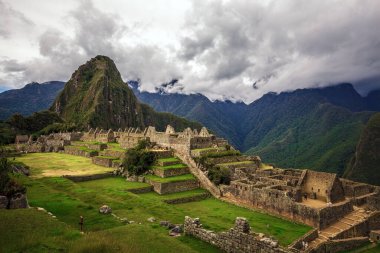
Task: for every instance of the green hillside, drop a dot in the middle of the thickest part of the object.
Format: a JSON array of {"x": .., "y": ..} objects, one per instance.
[{"x": 364, "y": 165}]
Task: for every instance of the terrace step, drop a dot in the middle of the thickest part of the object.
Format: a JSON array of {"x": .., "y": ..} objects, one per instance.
[{"x": 167, "y": 185}]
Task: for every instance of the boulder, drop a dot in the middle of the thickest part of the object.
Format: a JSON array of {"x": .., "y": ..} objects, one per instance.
[
  {"x": 164, "y": 223},
  {"x": 105, "y": 209},
  {"x": 151, "y": 219},
  {"x": 176, "y": 231},
  {"x": 18, "y": 201},
  {"x": 3, "y": 202}
]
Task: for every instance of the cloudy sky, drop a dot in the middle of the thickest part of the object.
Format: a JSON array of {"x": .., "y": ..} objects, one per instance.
[{"x": 237, "y": 49}]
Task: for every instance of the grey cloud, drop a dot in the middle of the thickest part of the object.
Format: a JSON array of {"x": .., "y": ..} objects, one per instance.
[
  {"x": 281, "y": 45},
  {"x": 96, "y": 32},
  {"x": 10, "y": 19}
]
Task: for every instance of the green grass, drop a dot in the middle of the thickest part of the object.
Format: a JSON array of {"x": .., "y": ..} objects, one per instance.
[
  {"x": 204, "y": 149},
  {"x": 170, "y": 167},
  {"x": 235, "y": 163},
  {"x": 176, "y": 195},
  {"x": 115, "y": 147},
  {"x": 56, "y": 164},
  {"x": 109, "y": 157},
  {"x": 169, "y": 159},
  {"x": 112, "y": 185},
  {"x": 171, "y": 179},
  {"x": 104, "y": 233}
]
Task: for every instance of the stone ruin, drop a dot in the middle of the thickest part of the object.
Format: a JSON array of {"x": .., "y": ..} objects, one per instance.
[
  {"x": 127, "y": 138},
  {"x": 238, "y": 239}
]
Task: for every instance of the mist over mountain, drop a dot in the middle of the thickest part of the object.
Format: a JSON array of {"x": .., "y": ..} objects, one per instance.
[{"x": 316, "y": 128}]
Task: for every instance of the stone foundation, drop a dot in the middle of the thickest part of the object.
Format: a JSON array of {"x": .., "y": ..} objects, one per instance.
[
  {"x": 238, "y": 239},
  {"x": 170, "y": 172},
  {"x": 103, "y": 161},
  {"x": 171, "y": 187}
]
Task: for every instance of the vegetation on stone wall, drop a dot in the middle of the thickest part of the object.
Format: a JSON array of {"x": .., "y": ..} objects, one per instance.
[
  {"x": 139, "y": 159},
  {"x": 219, "y": 175},
  {"x": 8, "y": 186}
]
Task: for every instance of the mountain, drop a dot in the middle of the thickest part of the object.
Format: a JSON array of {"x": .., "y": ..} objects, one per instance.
[
  {"x": 364, "y": 165},
  {"x": 315, "y": 128},
  {"x": 96, "y": 96},
  {"x": 31, "y": 98}
]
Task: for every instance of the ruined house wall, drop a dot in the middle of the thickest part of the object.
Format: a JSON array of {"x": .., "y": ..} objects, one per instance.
[
  {"x": 274, "y": 201},
  {"x": 319, "y": 183},
  {"x": 335, "y": 193},
  {"x": 236, "y": 240},
  {"x": 328, "y": 215}
]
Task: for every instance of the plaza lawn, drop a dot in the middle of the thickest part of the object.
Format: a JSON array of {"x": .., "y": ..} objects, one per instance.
[
  {"x": 56, "y": 164},
  {"x": 104, "y": 233}
]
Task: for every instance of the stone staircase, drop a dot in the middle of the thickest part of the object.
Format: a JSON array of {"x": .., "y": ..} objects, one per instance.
[{"x": 348, "y": 221}]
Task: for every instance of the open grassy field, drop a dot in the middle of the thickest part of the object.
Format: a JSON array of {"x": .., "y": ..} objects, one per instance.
[
  {"x": 56, "y": 164},
  {"x": 104, "y": 233}
]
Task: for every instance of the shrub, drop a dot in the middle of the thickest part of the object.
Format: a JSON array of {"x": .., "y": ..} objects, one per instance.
[
  {"x": 219, "y": 175},
  {"x": 8, "y": 186},
  {"x": 138, "y": 160}
]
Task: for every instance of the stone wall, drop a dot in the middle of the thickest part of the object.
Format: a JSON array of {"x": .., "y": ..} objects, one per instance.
[
  {"x": 141, "y": 190},
  {"x": 3, "y": 202},
  {"x": 113, "y": 153},
  {"x": 328, "y": 215},
  {"x": 84, "y": 178},
  {"x": 102, "y": 161},
  {"x": 238, "y": 239},
  {"x": 343, "y": 245},
  {"x": 188, "y": 199},
  {"x": 308, "y": 237},
  {"x": 170, "y": 172},
  {"x": 72, "y": 150},
  {"x": 170, "y": 187}
]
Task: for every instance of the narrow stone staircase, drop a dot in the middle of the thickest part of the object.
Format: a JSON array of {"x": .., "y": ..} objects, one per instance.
[{"x": 357, "y": 216}]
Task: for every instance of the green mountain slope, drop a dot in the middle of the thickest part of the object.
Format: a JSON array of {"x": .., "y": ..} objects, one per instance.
[
  {"x": 306, "y": 128},
  {"x": 365, "y": 164},
  {"x": 33, "y": 97},
  {"x": 96, "y": 96}
]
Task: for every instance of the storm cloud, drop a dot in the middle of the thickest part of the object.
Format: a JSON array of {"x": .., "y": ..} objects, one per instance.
[{"x": 237, "y": 50}]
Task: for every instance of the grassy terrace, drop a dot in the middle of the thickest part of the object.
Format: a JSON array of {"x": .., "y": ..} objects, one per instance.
[
  {"x": 154, "y": 196},
  {"x": 235, "y": 163},
  {"x": 33, "y": 231},
  {"x": 169, "y": 159},
  {"x": 56, "y": 164},
  {"x": 109, "y": 157},
  {"x": 170, "y": 167},
  {"x": 115, "y": 146},
  {"x": 171, "y": 179}
]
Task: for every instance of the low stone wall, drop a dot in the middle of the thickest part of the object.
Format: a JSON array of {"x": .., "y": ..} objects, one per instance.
[
  {"x": 18, "y": 201},
  {"x": 3, "y": 202},
  {"x": 328, "y": 215},
  {"x": 197, "y": 152},
  {"x": 308, "y": 237},
  {"x": 113, "y": 153},
  {"x": 163, "y": 153},
  {"x": 167, "y": 163},
  {"x": 171, "y": 187},
  {"x": 102, "y": 161},
  {"x": 84, "y": 178},
  {"x": 343, "y": 245},
  {"x": 71, "y": 150},
  {"x": 98, "y": 147},
  {"x": 188, "y": 199},
  {"x": 141, "y": 190},
  {"x": 237, "y": 240},
  {"x": 170, "y": 172}
]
